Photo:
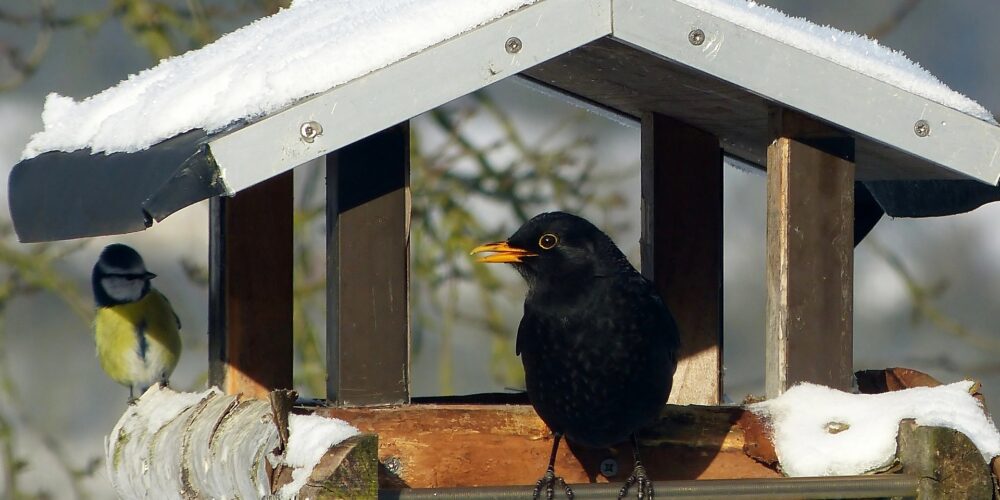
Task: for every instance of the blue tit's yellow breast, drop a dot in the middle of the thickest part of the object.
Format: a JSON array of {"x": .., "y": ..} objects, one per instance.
[{"x": 125, "y": 356}]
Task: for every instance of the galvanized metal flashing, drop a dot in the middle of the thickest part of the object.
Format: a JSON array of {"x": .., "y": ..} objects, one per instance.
[{"x": 58, "y": 195}]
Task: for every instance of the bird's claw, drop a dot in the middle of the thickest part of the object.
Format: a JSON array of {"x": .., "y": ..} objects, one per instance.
[
  {"x": 548, "y": 482},
  {"x": 644, "y": 486}
]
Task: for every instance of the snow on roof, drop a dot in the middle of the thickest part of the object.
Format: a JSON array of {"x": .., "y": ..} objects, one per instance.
[
  {"x": 851, "y": 50},
  {"x": 308, "y": 48},
  {"x": 819, "y": 431},
  {"x": 318, "y": 44}
]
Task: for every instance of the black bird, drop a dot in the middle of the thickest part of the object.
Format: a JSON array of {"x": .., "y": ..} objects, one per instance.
[{"x": 598, "y": 345}]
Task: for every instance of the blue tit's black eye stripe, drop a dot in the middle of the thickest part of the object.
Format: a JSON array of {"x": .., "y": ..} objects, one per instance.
[{"x": 130, "y": 276}]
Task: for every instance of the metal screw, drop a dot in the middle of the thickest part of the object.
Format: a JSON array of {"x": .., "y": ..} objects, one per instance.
[
  {"x": 836, "y": 427},
  {"x": 922, "y": 128},
  {"x": 696, "y": 37},
  {"x": 393, "y": 465},
  {"x": 513, "y": 45},
  {"x": 309, "y": 131},
  {"x": 609, "y": 467}
]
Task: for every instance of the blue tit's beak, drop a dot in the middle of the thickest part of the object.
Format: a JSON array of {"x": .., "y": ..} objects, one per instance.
[{"x": 148, "y": 275}]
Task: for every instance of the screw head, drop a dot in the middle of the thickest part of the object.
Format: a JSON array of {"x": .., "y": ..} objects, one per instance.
[
  {"x": 609, "y": 467},
  {"x": 836, "y": 427},
  {"x": 513, "y": 45},
  {"x": 696, "y": 37},
  {"x": 310, "y": 130},
  {"x": 922, "y": 128},
  {"x": 393, "y": 465}
]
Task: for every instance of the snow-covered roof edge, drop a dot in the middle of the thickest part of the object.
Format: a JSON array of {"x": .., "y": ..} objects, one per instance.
[
  {"x": 277, "y": 60},
  {"x": 851, "y": 50},
  {"x": 308, "y": 48}
]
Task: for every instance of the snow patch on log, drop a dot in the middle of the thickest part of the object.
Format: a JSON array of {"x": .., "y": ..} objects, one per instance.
[
  {"x": 819, "y": 431},
  {"x": 310, "y": 436}
]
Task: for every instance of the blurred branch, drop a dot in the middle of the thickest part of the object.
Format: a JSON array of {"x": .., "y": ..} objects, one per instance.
[
  {"x": 923, "y": 297},
  {"x": 452, "y": 180},
  {"x": 889, "y": 24},
  {"x": 26, "y": 270},
  {"x": 157, "y": 26},
  {"x": 23, "y": 65}
]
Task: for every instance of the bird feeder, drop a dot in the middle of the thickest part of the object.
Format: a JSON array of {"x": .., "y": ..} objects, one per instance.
[{"x": 839, "y": 147}]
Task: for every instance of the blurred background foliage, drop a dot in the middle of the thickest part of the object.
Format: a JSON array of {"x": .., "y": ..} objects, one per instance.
[{"x": 481, "y": 165}]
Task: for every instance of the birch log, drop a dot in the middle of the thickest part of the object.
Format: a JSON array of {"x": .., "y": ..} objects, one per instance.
[{"x": 210, "y": 445}]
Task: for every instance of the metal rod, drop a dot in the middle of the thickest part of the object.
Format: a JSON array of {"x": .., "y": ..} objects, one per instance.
[{"x": 887, "y": 485}]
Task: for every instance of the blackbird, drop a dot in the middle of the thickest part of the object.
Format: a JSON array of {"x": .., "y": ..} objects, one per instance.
[{"x": 598, "y": 345}]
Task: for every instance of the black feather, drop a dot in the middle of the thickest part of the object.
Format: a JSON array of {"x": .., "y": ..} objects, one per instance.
[{"x": 597, "y": 342}]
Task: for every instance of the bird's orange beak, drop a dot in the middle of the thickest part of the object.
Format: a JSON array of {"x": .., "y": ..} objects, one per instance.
[{"x": 502, "y": 252}]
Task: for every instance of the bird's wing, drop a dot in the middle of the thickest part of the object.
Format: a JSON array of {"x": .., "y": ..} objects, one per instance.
[
  {"x": 172, "y": 311},
  {"x": 663, "y": 321},
  {"x": 529, "y": 324}
]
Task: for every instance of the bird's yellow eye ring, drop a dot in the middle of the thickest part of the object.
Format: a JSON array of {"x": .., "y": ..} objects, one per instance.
[{"x": 547, "y": 241}]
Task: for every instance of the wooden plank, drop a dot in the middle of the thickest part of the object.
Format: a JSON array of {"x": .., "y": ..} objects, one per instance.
[
  {"x": 810, "y": 267},
  {"x": 431, "y": 445},
  {"x": 368, "y": 349},
  {"x": 250, "y": 306},
  {"x": 682, "y": 246}
]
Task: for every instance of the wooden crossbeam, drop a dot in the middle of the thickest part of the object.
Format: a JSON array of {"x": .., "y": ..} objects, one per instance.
[
  {"x": 450, "y": 445},
  {"x": 810, "y": 258},
  {"x": 250, "y": 289},
  {"x": 682, "y": 246},
  {"x": 368, "y": 348}
]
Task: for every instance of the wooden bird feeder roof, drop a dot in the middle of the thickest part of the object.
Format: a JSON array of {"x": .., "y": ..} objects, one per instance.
[{"x": 918, "y": 157}]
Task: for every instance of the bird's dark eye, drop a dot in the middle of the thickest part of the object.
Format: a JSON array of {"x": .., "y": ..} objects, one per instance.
[{"x": 547, "y": 241}]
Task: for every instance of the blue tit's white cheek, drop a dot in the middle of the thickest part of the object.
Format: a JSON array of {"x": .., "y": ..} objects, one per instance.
[{"x": 123, "y": 289}]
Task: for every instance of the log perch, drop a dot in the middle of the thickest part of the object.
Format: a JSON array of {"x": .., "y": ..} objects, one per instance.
[{"x": 211, "y": 445}]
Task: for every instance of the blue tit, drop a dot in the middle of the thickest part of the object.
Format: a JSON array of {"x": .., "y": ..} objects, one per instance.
[{"x": 135, "y": 328}]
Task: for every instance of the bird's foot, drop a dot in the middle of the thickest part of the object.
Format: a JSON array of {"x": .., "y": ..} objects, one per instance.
[
  {"x": 548, "y": 483},
  {"x": 643, "y": 485}
]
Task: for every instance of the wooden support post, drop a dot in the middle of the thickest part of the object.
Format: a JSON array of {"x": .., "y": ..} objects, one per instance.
[
  {"x": 368, "y": 348},
  {"x": 682, "y": 246},
  {"x": 250, "y": 297},
  {"x": 810, "y": 256}
]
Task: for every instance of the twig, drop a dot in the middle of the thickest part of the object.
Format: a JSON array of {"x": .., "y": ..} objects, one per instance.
[
  {"x": 922, "y": 300},
  {"x": 888, "y": 25}
]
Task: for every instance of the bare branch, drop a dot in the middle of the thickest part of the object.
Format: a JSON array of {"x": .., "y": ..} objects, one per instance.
[
  {"x": 888, "y": 25},
  {"x": 922, "y": 298}
]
